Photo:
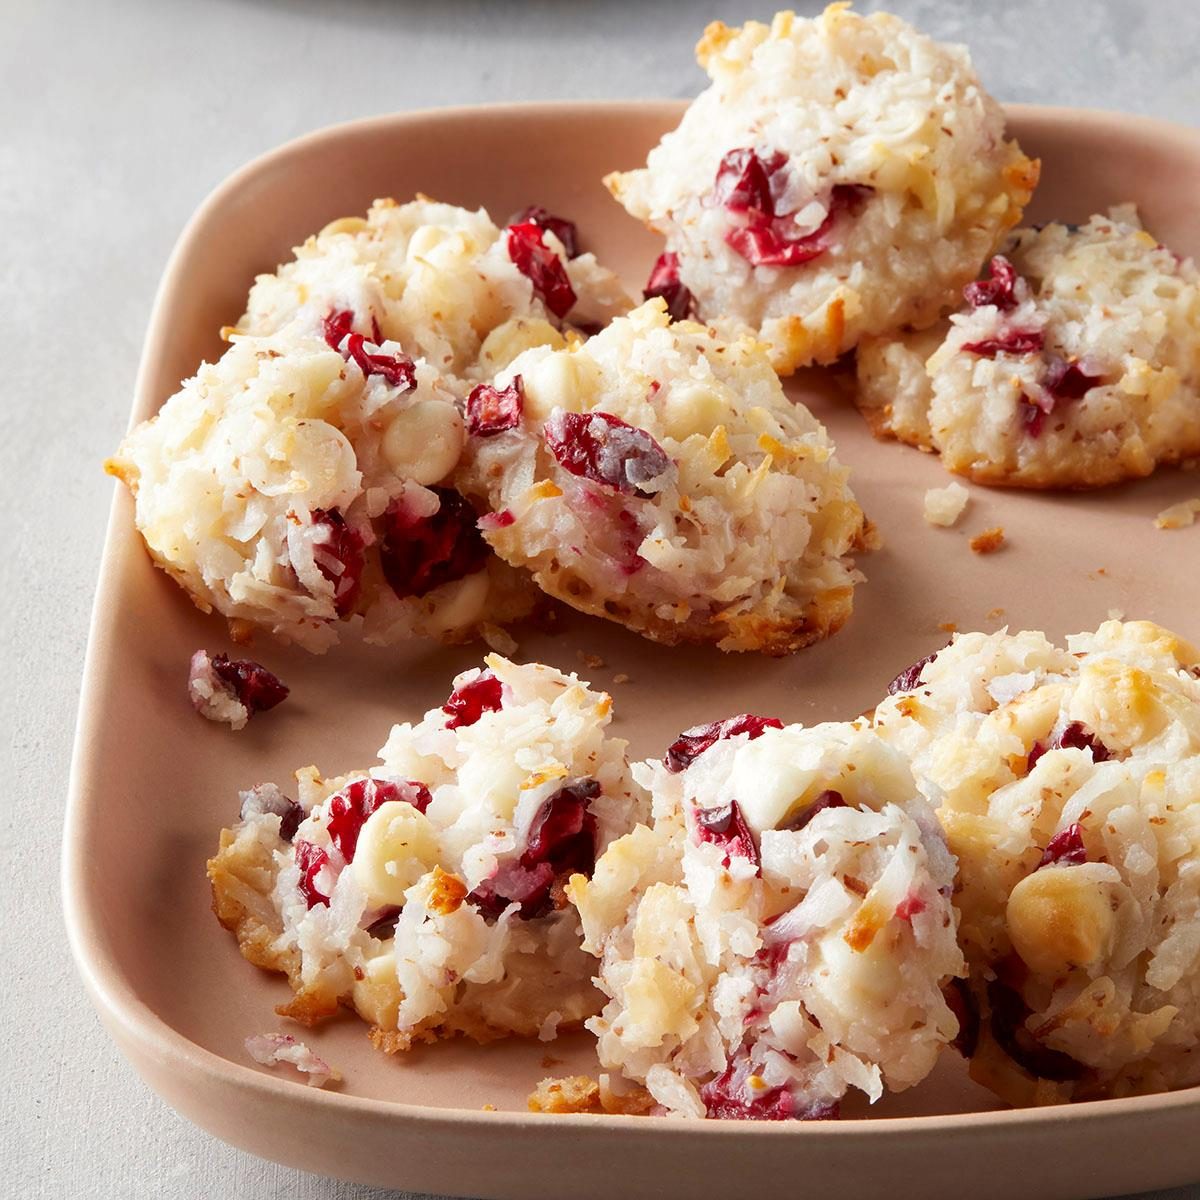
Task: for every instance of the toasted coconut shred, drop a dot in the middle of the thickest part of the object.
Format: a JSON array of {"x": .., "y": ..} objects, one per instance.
[
  {"x": 880, "y": 181},
  {"x": 721, "y": 514},
  {"x": 426, "y": 893}
]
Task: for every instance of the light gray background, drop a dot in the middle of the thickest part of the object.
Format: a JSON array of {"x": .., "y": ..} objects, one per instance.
[{"x": 115, "y": 119}]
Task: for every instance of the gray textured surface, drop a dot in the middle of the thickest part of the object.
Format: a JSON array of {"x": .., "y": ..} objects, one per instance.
[{"x": 116, "y": 119}]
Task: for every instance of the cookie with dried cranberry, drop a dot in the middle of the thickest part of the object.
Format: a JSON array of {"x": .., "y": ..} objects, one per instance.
[
  {"x": 445, "y": 282},
  {"x": 1068, "y": 783},
  {"x": 841, "y": 177},
  {"x": 426, "y": 893},
  {"x": 783, "y": 931},
  {"x": 1074, "y": 363},
  {"x": 658, "y": 476},
  {"x": 301, "y": 480}
]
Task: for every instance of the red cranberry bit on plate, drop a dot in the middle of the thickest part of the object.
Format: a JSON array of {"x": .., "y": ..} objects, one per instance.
[
  {"x": 339, "y": 558},
  {"x": 562, "y": 842},
  {"x": 827, "y": 799},
  {"x": 997, "y": 290},
  {"x": 562, "y": 229},
  {"x": 726, "y": 827},
  {"x": 541, "y": 266},
  {"x": 419, "y": 553},
  {"x": 484, "y": 693},
  {"x": 691, "y": 743},
  {"x": 311, "y": 860},
  {"x": 1065, "y": 849},
  {"x": 492, "y": 410},
  {"x": 664, "y": 281},
  {"x": 1015, "y": 341},
  {"x": 605, "y": 449},
  {"x": 350, "y": 808},
  {"x": 248, "y": 683}
]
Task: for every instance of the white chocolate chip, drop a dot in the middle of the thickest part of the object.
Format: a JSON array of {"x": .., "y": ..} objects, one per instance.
[
  {"x": 397, "y": 846},
  {"x": 424, "y": 441}
]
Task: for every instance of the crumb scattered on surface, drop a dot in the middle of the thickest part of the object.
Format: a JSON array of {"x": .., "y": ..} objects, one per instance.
[
  {"x": 575, "y": 1093},
  {"x": 943, "y": 506},
  {"x": 592, "y": 661},
  {"x": 995, "y": 614},
  {"x": 989, "y": 541},
  {"x": 489, "y": 1108},
  {"x": 1178, "y": 516},
  {"x": 620, "y": 677},
  {"x": 272, "y": 1049},
  {"x": 948, "y": 627}
]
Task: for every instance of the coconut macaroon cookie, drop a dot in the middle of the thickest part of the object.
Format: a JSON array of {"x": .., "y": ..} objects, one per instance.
[
  {"x": 783, "y": 931},
  {"x": 1068, "y": 782},
  {"x": 657, "y": 475},
  {"x": 1075, "y": 363},
  {"x": 301, "y": 480},
  {"x": 841, "y": 176},
  {"x": 445, "y": 282},
  {"x": 426, "y": 894}
]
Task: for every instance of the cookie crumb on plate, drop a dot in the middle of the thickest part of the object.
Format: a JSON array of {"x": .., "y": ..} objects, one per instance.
[
  {"x": 943, "y": 506},
  {"x": 989, "y": 541},
  {"x": 1179, "y": 516}
]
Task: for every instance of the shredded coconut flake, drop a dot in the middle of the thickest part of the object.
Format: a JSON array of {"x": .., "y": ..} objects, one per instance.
[
  {"x": 943, "y": 506},
  {"x": 271, "y": 1049},
  {"x": 1178, "y": 516}
]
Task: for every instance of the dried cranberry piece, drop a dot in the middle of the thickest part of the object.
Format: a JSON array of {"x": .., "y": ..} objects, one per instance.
[
  {"x": 603, "y": 448},
  {"x": 492, "y": 410},
  {"x": 497, "y": 520},
  {"x": 744, "y": 181},
  {"x": 664, "y": 281},
  {"x": 1033, "y": 416},
  {"x": 1068, "y": 380},
  {"x": 910, "y": 678},
  {"x": 691, "y": 743},
  {"x": 562, "y": 229},
  {"x": 267, "y": 798},
  {"x": 562, "y": 842},
  {"x": 339, "y": 558},
  {"x": 484, "y": 693},
  {"x": 962, "y": 1003},
  {"x": 997, "y": 290},
  {"x": 1009, "y": 1013},
  {"x": 1065, "y": 848},
  {"x": 726, "y": 827},
  {"x": 827, "y": 799},
  {"x": 384, "y": 925},
  {"x": 311, "y": 859},
  {"x": 725, "y": 1100},
  {"x": 397, "y": 369},
  {"x": 255, "y": 687},
  {"x": 1075, "y": 736},
  {"x": 767, "y": 241},
  {"x": 541, "y": 266},
  {"x": 909, "y": 907},
  {"x": 335, "y": 325},
  {"x": 419, "y": 553},
  {"x": 350, "y": 808},
  {"x": 1015, "y": 341}
]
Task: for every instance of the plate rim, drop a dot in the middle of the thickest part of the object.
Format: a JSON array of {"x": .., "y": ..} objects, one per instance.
[{"x": 138, "y": 1029}]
